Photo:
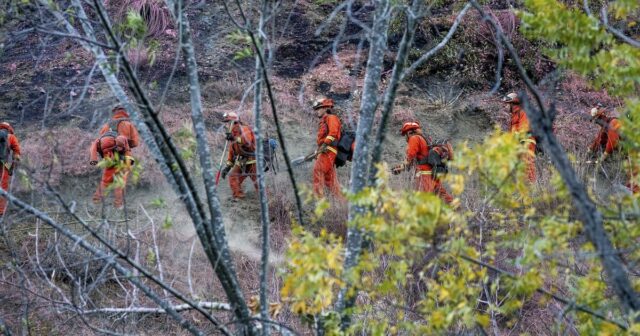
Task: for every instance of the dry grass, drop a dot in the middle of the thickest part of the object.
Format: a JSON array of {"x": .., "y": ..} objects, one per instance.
[
  {"x": 154, "y": 12},
  {"x": 53, "y": 153}
]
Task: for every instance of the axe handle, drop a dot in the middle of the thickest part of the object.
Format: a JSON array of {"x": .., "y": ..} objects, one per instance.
[{"x": 310, "y": 157}]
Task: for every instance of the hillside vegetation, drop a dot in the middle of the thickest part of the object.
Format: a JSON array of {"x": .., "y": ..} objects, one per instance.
[{"x": 509, "y": 256}]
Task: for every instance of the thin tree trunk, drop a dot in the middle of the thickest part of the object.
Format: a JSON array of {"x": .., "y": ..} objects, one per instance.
[
  {"x": 392, "y": 89},
  {"x": 378, "y": 45},
  {"x": 264, "y": 205},
  {"x": 224, "y": 266}
]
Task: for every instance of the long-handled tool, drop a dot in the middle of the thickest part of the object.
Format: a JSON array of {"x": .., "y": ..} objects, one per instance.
[
  {"x": 221, "y": 160},
  {"x": 300, "y": 160}
]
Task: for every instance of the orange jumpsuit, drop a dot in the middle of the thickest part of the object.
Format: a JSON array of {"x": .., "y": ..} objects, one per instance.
[
  {"x": 14, "y": 146},
  {"x": 520, "y": 125},
  {"x": 107, "y": 145},
  {"x": 608, "y": 138},
  {"x": 417, "y": 151},
  {"x": 324, "y": 170},
  {"x": 120, "y": 119},
  {"x": 243, "y": 158}
]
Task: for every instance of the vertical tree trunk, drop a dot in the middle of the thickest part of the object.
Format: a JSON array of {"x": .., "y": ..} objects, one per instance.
[
  {"x": 392, "y": 89},
  {"x": 359, "y": 171},
  {"x": 223, "y": 266},
  {"x": 264, "y": 202}
]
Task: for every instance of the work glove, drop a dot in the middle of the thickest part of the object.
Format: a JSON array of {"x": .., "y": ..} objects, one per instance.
[
  {"x": 129, "y": 161},
  {"x": 397, "y": 169},
  {"x": 93, "y": 162},
  {"x": 323, "y": 148},
  {"x": 225, "y": 171},
  {"x": 14, "y": 165},
  {"x": 229, "y": 136}
]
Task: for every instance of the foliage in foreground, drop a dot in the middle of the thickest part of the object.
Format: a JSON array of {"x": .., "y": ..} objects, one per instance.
[{"x": 428, "y": 267}]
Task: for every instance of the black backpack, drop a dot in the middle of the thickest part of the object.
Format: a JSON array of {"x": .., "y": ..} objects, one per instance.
[
  {"x": 438, "y": 161},
  {"x": 4, "y": 145},
  {"x": 344, "y": 145}
]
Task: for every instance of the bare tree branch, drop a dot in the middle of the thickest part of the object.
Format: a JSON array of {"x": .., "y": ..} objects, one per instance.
[
  {"x": 75, "y": 37},
  {"x": 227, "y": 270},
  {"x": 274, "y": 113},
  {"x": 425, "y": 57},
  {"x": 571, "y": 304},
  {"x": 153, "y": 310},
  {"x": 620, "y": 35},
  {"x": 103, "y": 255},
  {"x": 134, "y": 264}
]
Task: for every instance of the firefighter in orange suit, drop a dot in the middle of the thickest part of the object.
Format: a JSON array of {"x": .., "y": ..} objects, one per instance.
[
  {"x": 520, "y": 125},
  {"x": 9, "y": 148},
  {"x": 607, "y": 142},
  {"x": 115, "y": 149},
  {"x": 417, "y": 152},
  {"x": 329, "y": 130},
  {"x": 241, "y": 161},
  {"x": 608, "y": 138},
  {"x": 121, "y": 124}
]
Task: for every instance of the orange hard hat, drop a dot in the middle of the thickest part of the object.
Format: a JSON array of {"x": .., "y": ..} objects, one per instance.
[
  {"x": 230, "y": 116},
  {"x": 409, "y": 126},
  {"x": 511, "y": 98},
  {"x": 322, "y": 102}
]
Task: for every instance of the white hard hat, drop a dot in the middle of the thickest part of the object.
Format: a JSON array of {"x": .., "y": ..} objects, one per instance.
[{"x": 230, "y": 116}]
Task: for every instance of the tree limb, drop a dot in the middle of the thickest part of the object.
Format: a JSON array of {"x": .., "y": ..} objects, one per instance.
[
  {"x": 224, "y": 266},
  {"x": 439, "y": 46},
  {"x": 617, "y": 33},
  {"x": 153, "y": 310},
  {"x": 136, "y": 265},
  {"x": 544, "y": 291},
  {"x": 103, "y": 255}
]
